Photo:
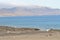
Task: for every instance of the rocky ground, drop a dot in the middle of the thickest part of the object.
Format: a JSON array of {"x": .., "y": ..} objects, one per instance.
[{"x": 11, "y": 33}]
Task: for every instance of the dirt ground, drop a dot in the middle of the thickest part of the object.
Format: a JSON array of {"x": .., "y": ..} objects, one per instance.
[{"x": 37, "y": 36}]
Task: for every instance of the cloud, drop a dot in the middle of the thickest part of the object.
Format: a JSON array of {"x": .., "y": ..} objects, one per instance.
[{"x": 48, "y": 3}]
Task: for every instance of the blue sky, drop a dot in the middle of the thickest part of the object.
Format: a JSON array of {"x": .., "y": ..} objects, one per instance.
[{"x": 48, "y": 3}]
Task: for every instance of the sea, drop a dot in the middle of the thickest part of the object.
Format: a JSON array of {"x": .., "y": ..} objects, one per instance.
[{"x": 42, "y": 22}]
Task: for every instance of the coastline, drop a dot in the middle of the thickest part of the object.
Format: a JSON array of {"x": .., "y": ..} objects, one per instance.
[{"x": 28, "y": 34}]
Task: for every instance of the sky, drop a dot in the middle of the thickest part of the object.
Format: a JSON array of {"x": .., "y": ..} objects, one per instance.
[{"x": 46, "y": 3}]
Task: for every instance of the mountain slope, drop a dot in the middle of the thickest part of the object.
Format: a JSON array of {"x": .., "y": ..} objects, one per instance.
[{"x": 28, "y": 11}]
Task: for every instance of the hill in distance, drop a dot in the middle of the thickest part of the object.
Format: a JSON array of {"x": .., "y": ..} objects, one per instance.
[{"x": 28, "y": 11}]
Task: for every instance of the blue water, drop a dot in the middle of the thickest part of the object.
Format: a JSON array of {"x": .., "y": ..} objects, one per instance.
[{"x": 44, "y": 22}]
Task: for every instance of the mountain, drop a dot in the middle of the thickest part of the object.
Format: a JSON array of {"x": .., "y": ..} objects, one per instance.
[{"x": 28, "y": 11}]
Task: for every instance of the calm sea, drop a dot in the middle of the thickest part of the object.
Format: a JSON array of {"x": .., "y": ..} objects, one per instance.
[{"x": 44, "y": 22}]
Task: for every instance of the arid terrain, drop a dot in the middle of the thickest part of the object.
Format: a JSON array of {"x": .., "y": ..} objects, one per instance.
[{"x": 29, "y": 34}]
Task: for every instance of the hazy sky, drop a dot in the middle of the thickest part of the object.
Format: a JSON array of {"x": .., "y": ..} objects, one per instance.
[{"x": 48, "y": 3}]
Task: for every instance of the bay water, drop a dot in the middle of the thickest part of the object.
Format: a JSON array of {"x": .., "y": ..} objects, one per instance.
[{"x": 43, "y": 22}]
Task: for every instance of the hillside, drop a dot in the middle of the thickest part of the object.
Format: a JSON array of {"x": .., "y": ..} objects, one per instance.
[{"x": 28, "y": 11}]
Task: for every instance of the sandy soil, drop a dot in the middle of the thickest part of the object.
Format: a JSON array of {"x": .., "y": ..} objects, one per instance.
[{"x": 37, "y": 36}]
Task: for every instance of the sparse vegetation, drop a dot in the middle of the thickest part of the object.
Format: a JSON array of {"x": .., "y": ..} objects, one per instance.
[{"x": 6, "y": 28}]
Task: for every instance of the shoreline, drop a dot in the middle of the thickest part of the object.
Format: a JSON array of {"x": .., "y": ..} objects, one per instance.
[
  {"x": 7, "y": 30},
  {"x": 7, "y": 33}
]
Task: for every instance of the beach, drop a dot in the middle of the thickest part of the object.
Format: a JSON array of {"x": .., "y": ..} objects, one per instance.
[
  {"x": 12, "y": 33},
  {"x": 33, "y": 36}
]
